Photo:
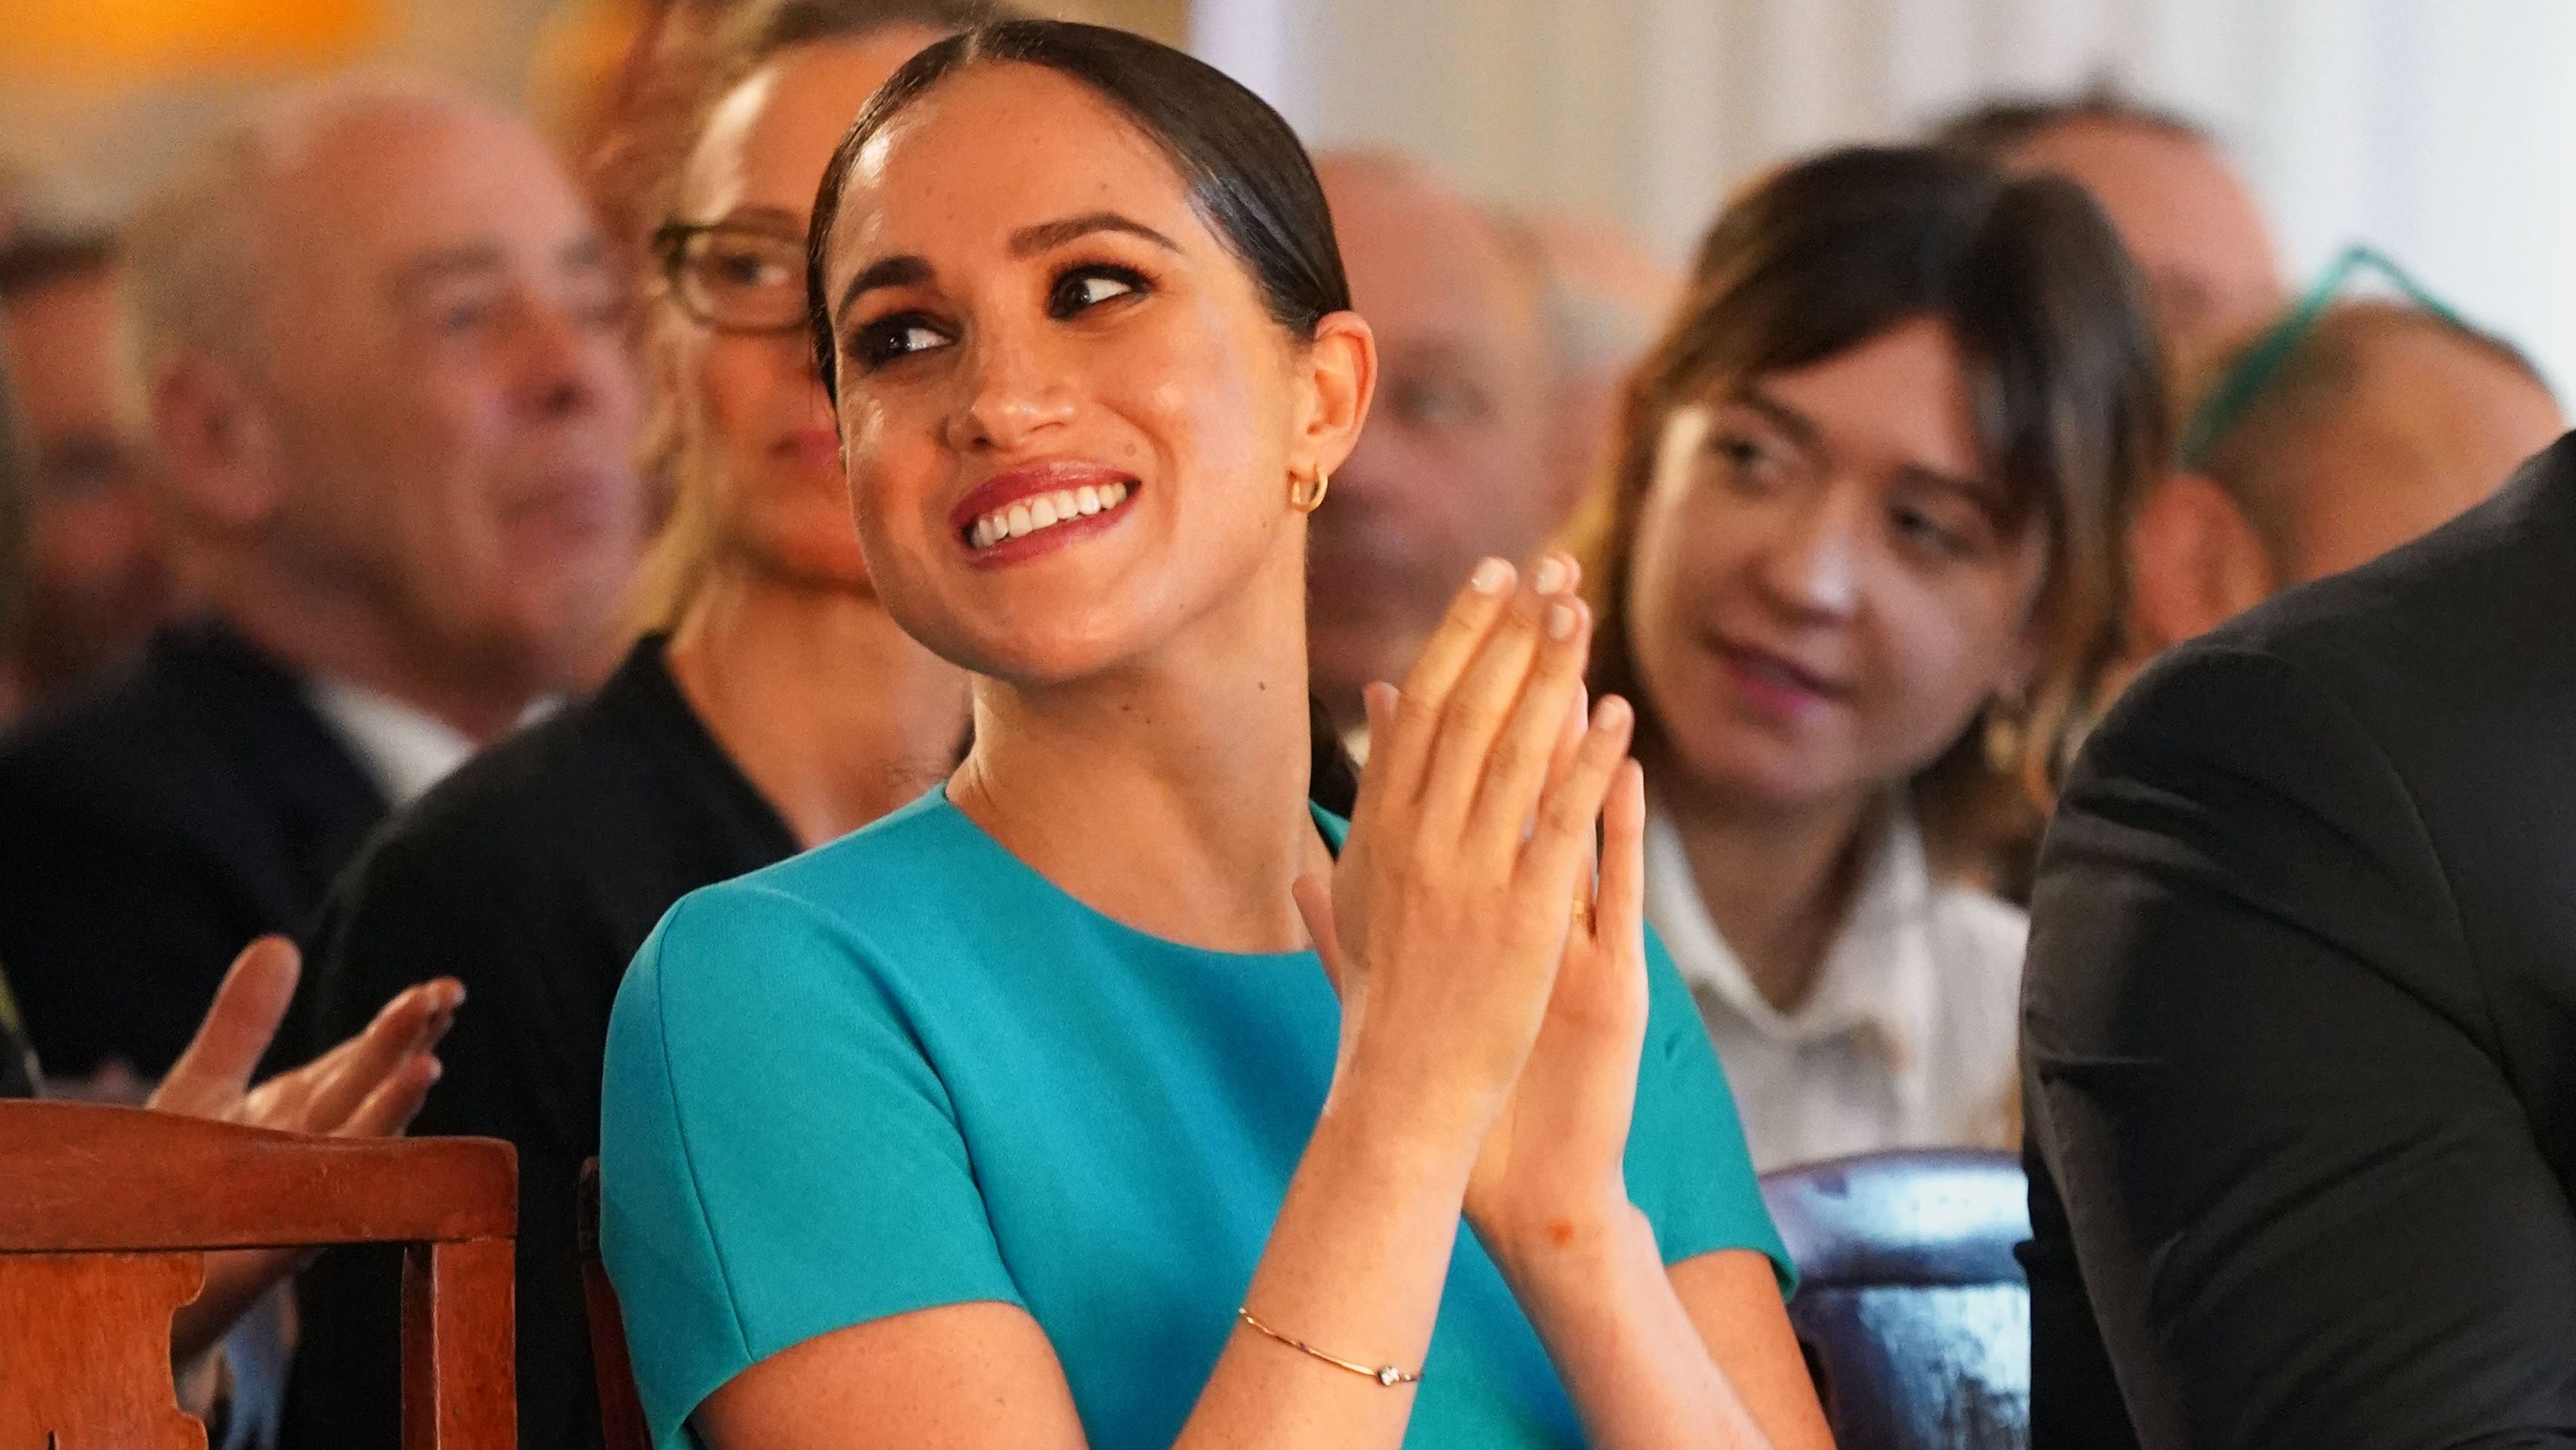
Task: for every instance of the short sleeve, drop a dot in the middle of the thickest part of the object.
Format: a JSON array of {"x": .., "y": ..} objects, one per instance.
[
  {"x": 778, "y": 1160},
  {"x": 1687, "y": 1165}
]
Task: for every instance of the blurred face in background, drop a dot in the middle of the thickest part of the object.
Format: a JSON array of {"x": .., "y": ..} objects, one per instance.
[
  {"x": 2186, "y": 218},
  {"x": 1826, "y": 585},
  {"x": 96, "y": 582},
  {"x": 450, "y": 411},
  {"x": 1455, "y": 464},
  {"x": 730, "y": 338},
  {"x": 2433, "y": 426},
  {"x": 2384, "y": 425}
]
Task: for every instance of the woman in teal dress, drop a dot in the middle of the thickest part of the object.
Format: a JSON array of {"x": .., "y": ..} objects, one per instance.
[{"x": 1032, "y": 1115}]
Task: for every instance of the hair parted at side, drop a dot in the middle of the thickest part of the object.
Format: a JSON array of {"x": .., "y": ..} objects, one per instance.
[
  {"x": 2066, "y": 399},
  {"x": 1247, "y": 174}
]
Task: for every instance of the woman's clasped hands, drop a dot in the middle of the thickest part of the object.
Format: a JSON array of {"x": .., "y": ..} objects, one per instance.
[{"x": 1494, "y": 991}]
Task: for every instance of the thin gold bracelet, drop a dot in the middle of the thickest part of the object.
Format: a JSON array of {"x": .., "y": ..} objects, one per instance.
[{"x": 1386, "y": 1374}]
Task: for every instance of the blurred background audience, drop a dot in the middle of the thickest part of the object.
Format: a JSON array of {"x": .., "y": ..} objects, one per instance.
[
  {"x": 1459, "y": 460},
  {"x": 2186, "y": 217},
  {"x": 95, "y": 580},
  {"x": 378, "y": 344},
  {"x": 770, "y": 705},
  {"x": 2319, "y": 441}
]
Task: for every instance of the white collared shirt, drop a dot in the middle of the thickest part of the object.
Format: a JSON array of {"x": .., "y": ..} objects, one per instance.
[
  {"x": 403, "y": 749},
  {"x": 1907, "y": 1038}
]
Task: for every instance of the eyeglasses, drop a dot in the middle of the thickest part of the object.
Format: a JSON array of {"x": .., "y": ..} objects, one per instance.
[
  {"x": 732, "y": 277},
  {"x": 2235, "y": 393}
]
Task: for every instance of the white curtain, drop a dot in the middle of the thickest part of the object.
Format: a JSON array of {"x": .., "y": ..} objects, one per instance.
[{"x": 2442, "y": 130}]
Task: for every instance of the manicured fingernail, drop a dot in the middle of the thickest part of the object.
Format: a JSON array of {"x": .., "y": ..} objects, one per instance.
[
  {"x": 1560, "y": 620},
  {"x": 1549, "y": 577},
  {"x": 1491, "y": 576}
]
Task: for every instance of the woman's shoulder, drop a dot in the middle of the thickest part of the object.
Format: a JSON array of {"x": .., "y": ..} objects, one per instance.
[{"x": 857, "y": 900}]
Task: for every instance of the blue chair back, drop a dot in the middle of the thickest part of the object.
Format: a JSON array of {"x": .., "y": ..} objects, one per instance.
[{"x": 1911, "y": 1308}]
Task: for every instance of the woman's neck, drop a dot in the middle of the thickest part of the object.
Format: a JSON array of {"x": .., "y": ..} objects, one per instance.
[
  {"x": 1170, "y": 794},
  {"x": 832, "y": 711},
  {"x": 1778, "y": 883}
]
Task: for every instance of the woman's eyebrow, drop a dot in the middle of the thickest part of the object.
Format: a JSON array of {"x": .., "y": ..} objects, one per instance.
[
  {"x": 903, "y": 271},
  {"x": 754, "y": 214},
  {"x": 1800, "y": 428},
  {"x": 1045, "y": 236}
]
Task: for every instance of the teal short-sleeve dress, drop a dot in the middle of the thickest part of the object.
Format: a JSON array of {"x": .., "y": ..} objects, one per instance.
[{"x": 905, "y": 1070}]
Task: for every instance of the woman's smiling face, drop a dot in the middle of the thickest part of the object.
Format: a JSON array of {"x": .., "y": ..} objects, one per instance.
[{"x": 1033, "y": 322}]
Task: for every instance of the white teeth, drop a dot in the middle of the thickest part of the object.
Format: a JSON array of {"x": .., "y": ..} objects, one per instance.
[{"x": 1045, "y": 511}]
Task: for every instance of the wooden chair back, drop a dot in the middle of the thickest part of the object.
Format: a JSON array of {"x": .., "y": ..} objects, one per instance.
[
  {"x": 621, "y": 1414},
  {"x": 106, "y": 1215}
]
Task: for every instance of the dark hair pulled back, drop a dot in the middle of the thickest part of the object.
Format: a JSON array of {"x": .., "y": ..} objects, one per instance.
[{"x": 1248, "y": 177}]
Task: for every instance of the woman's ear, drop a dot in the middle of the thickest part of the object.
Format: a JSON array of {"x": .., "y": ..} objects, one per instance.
[
  {"x": 1340, "y": 378},
  {"x": 2195, "y": 562}
]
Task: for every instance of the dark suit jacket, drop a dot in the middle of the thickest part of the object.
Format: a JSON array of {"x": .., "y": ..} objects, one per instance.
[
  {"x": 532, "y": 874},
  {"x": 149, "y": 831},
  {"x": 2299, "y": 1032}
]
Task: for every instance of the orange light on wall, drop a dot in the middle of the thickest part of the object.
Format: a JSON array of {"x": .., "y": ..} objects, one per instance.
[{"x": 121, "y": 41}]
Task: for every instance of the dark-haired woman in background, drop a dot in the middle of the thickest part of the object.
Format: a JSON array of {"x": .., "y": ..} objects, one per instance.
[
  {"x": 1028, "y": 1117},
  {"x": 771, "y": 705},
  {"x": 1859, "y": 558}
]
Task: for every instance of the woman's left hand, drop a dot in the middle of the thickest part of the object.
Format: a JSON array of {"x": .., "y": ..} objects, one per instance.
[{"x": 1549, "y": 1183}]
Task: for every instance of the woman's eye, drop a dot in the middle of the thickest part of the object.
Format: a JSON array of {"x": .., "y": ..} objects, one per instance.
[
  {"x": 1925, "y": 531},
  {"x": 894, "y": 339},
  {"x": 1089, "y": 287},
  {"x": 748, "y": 269},
  {"x": 1748, "y": 462}
]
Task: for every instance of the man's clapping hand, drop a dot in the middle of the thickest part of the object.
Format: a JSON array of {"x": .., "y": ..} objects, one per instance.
[{"x": 369, "y": 1086}]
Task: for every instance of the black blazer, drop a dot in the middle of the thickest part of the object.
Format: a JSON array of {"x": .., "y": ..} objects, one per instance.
[
  {"x": 533, "y": 874},
  {"x": 149, "y": 831},
  {"x": 2299, "y": 1033}
]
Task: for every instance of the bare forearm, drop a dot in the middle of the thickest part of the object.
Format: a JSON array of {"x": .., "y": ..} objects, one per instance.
[
  {"x": 1623, "y": 1342},
  {"x": 1355, "y": 1266},
  {"x": 234, "y": 1281}
]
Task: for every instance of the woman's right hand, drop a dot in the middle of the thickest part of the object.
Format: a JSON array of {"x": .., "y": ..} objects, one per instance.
[{"x": 1447, "y": 915}]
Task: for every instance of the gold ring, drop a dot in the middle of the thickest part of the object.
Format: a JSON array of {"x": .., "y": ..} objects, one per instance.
[{"x": 1583, "y": 913}]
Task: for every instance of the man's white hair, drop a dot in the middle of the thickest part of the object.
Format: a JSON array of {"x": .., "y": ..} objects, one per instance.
[{"x": 199, "y": 269}]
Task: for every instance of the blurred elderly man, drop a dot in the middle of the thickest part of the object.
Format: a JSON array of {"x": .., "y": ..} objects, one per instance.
[
  {"x": 95, "y": 583},
  {"x": 1460, "y": 457},
  {"x": 2318, "y": 448},
  {"x": 2178, "y": 204},
  {"x": 380, "y": 349}
]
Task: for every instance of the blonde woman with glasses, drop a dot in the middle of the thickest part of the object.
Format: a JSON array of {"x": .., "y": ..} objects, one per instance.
[{"x": 770, "y": 705}]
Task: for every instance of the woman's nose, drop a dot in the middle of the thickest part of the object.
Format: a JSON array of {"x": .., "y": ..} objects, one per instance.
[
  {"x": 1812, "y": 563},
  {"x": 1012, "y": 392}
]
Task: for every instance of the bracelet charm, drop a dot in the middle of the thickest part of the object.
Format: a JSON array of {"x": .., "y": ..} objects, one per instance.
[{"x": 1387, "y": 1374}]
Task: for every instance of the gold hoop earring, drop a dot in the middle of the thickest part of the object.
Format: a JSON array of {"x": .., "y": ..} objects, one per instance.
[
  {"x": 1307, "y": 495},
  {"x": 2007, "y": 732}
]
